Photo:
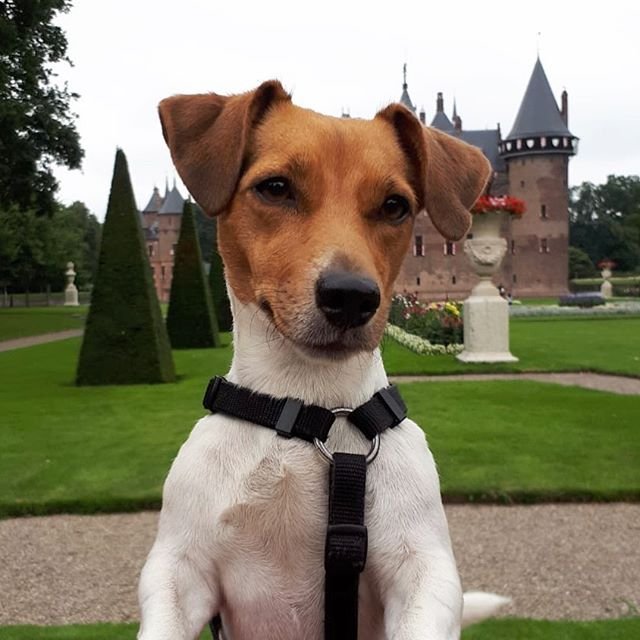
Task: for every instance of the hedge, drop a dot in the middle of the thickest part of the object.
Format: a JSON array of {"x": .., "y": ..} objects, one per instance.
[{"x": 125, "y": 341}]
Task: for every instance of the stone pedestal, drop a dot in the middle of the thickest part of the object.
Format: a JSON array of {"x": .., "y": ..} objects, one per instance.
[
  {"x": 606, "y": 288},
  {"x": 486, "y": 312},
  {"x": 71, "y": 291}
]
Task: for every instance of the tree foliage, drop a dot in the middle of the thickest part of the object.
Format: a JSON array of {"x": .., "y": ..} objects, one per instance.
[
  {"x": 34, "y": 250},
  {"x": 605, "y": 220},
  {"x": 37, "y": 129},
  {"x": 191, "y": 320},
  {"x": 219, "y": 293},
  {"x": 125, "y": 340}
]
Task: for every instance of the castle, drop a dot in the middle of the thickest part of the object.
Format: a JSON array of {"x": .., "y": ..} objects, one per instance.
[{"x": 531, "y": 163}]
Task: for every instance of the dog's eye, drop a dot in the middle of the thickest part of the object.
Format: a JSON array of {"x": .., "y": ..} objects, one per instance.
[
  {"x": 395, "y": 209},
  {"x": 275, "y": 191}
]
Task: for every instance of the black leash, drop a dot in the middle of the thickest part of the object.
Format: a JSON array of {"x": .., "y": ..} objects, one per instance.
[{"x": 347, "y": 540}]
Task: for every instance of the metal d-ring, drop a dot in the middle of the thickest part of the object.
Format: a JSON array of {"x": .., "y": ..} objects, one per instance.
[{"x": 343, "y": 412}]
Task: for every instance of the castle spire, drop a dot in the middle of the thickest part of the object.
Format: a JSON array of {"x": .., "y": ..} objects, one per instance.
[
  {"x": 539, "y": 126},
  {"x": 404, "y": 98}
]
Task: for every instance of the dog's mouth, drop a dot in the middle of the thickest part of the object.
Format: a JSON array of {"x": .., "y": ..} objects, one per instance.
[{"x": 310, "y": 334}]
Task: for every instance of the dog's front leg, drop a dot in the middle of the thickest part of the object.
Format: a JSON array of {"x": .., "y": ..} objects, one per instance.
[
  {"x": 424, "y": 601},
  {"x": 176, "y": 599}
]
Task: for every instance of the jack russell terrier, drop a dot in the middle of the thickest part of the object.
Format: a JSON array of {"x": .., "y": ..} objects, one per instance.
[{"x": 315, "y": 219}]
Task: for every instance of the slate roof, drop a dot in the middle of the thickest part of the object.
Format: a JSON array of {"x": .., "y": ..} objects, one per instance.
[
  {"x": 441, "y": 121},
  {"x": 406, "y": 100},
  {"x": 538, "y": 114},
  {"x": 173, "y": 202},
  {"x": 155, "y": 202},
  {"x": 487, "y": 140}
]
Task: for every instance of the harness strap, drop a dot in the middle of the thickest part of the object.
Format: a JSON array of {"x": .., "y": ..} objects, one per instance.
[
  {"x": 346, "y": 540},
  {"x": 346, "y": 545},
  {"x": 288, "y": 416}
]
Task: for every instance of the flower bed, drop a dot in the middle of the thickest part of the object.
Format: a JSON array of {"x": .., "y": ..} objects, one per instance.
[
  {"x": 420, "y": 345},
  {"x": 435, "y": 322},
  {"x": 611, "y": 309}
]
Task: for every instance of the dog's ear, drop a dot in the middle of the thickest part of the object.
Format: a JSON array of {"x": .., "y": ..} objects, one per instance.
[
  {"x": 450, "y": 174},
  {"x": 207, "y": 135}
]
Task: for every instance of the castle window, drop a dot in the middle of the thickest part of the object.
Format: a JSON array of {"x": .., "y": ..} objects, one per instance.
[
  {"x": 522, "y": 184},
  {"x": 544, "y": 245},
  {"x": 449, "y": 248},
  {"x": 418, "y": 247},
  {"x": 150, "y": 248},
  {"x": 543, "y": 211},
  {"x": 418, "y": 281},
  {"x": 513, "y": 278},
  {"x": 162, "y": 272},
  {"x": 453, "y": 280},
  {"x": 513, "y": 247}
]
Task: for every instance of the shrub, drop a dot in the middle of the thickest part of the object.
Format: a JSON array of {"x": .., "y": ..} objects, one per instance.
[
  {"x": 125, "y": 340},
  {"x": 437, "y": 322},
  {"x": 581, "y": 300},
  {"x": 191, "y": 322},
  {"x": 218, "y": 289}
]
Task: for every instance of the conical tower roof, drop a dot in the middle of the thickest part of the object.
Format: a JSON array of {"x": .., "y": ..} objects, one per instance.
[
  {"x": 173, "y": 202},
  {"x": 538, "y": 114},
  {"x": 155, "y": 202},
  {"x": 441, "y": 120},
  {"x": 404, "y": 98}
]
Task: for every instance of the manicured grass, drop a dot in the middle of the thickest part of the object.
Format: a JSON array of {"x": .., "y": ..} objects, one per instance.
[
  {"x": 21, "y": 322},
  {"x": 505, "y": 629},
  {"x": 93, "y": 449},
  {"x": 606, "y": 345}
]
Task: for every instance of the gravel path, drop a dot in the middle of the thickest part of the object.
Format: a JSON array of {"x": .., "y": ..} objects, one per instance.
[
  {"x": 21, "y": 343},
  {"x": 555, "y": 561},
  {"x": 597, "y": 381}
]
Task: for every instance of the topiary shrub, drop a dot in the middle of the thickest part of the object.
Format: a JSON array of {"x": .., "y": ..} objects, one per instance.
[
  {"x": 125, "y": 340},
  {"x": 191, "y": 320},
  {"x": 219, "y": 294}
]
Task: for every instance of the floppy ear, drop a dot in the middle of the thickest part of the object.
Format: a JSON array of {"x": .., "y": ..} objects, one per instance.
[
  {"x": 207, "y": 135},
  {"x": 449, "y": 174}
]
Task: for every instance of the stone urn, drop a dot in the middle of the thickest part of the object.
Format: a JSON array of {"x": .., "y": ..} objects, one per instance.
[
  {"x": 70, "y": 291},
  {"x": 486, "y": 312},
  {"x": 606, "y": 288}
]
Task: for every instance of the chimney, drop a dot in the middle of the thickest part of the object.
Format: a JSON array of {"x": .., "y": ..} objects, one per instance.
[
  {"x": 564, "y": 112},
  {"x": 423, "y": 116},
  {"x": 440, "y": 103}
]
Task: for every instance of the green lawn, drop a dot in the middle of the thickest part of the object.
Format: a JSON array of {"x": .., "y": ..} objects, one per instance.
[
  {"x": 92, "y": 449},
  {"x": 21, "y": 322},
  {"x": 506, "y": 629},
  {"x": 607, "y": 345}
]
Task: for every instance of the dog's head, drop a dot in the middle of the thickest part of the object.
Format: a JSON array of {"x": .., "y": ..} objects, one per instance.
[{"x": 317, "y": 212}]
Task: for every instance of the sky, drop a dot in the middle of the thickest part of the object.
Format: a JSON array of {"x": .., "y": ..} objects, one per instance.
[{"x": 346, "y": 55}]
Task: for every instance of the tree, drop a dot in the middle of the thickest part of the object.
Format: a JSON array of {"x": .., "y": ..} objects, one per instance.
[
  {"x": 605, "y": 220},
  {"x": 191, "y": 321},
  {"x": 219, "y": 293},
  {"x": 580, "y": 265},
  {"x": 37, "y": 129},
  {"x": 34, "y": 250},
  {"x": 125, "y": 340}
]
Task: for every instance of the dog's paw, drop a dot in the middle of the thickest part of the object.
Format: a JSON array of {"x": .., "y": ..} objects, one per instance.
[{"x": 479, "y": 605}]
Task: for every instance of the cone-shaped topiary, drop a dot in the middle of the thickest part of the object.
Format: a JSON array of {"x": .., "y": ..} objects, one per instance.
[
  {"x": 191, "y": 321},
  {"x": 219, "y": 291},
  {"x": 125, "y": 340}
]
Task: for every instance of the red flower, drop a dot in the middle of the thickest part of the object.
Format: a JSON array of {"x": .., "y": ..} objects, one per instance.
[{"x": 508, "y": 204}]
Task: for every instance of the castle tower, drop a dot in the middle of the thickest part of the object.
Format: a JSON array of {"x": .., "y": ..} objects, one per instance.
[{"x": 537, "y": 152}]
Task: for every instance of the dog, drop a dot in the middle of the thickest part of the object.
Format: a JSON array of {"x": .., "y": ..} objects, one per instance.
[{"x": 315, "y": 219}]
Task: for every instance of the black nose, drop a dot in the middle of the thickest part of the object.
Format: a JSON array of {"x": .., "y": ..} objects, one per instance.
[{"x": 346, "y": 299}]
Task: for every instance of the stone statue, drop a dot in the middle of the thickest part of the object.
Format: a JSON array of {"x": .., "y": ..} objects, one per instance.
[{"x": 71, "y": 291}]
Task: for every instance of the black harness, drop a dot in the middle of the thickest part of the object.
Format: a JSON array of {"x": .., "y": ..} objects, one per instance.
[{"x": 346, "y": 541}]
